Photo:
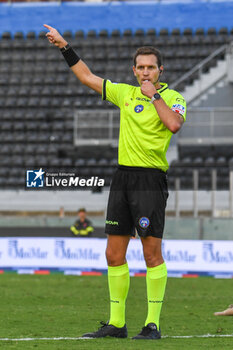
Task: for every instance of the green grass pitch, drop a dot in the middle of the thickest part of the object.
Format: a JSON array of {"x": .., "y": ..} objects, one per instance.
[{"x": 68, "y": 306}]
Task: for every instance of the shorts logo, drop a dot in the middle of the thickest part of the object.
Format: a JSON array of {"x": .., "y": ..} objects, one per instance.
[
  {"x": 138, "y": 108},
  {"x": 35, "y": 178},
  {"x": 178, "y": 109},
  {"x": 144, "y": 222},
  {"x": 110, "y": 222}
]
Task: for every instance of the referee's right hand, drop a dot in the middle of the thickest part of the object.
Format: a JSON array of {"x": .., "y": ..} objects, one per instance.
[{"x": 55, "y": 37}]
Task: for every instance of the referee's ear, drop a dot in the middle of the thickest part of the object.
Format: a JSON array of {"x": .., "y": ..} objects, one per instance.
[
  {"x": 160, "y": 70},
  {"x": 134, "y": 71}
]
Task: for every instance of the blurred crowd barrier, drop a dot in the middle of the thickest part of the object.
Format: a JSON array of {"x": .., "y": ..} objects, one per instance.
[{"x": 188, "y": 228}]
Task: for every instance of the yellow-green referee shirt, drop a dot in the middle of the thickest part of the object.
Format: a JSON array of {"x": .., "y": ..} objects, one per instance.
[{"x": 143, "y": 139}]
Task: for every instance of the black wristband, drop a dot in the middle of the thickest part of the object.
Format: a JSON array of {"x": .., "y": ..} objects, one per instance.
[{"x": 70, "y": 55}]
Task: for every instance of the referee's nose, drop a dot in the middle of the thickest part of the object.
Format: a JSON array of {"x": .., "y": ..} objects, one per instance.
[{"x": 145, "y": 71}]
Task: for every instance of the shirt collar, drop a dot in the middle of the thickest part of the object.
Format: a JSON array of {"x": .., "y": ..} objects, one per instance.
[{"x": 164, "y": 86}]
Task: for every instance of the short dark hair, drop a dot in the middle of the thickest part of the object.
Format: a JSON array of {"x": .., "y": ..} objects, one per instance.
[
  {"x": 148, "y": 50},
  {"x": 81, "y": 210}
]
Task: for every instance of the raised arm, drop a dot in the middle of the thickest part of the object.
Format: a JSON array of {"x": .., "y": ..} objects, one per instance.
[{"x": 80, "y": 69}]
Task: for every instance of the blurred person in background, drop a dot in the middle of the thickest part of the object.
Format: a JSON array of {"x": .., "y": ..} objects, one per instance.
[
  {"x": 61, "y": 213},
  {"x": 82, "y": 226}
]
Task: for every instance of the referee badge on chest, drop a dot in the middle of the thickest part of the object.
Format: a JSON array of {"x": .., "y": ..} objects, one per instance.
[
  {"x": 138, "y": 108},
  {"x": 144, "y": 222}
]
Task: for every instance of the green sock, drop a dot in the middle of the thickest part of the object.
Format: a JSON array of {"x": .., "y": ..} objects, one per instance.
[
  {"x": 156, "y": 279},
  {"x": 118, "y": 282}
]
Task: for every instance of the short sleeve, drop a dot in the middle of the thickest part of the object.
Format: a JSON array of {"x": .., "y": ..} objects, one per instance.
[
  {"x": 178, "y": 104},
  {"x": 112, "y": 92}
]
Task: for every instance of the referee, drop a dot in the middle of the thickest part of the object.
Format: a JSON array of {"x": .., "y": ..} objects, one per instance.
[{"x": 150, "y": 115}]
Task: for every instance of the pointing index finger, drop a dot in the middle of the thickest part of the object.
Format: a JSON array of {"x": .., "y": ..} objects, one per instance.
[{"x": 48, "y": 27}]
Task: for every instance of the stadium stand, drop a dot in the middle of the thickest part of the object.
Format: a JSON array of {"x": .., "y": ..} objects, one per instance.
[
  {"x": 38, "y": 97},
  {"x": 205, "y": 159}
]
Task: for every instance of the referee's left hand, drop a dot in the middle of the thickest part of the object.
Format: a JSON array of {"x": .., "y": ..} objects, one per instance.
[{"x": 148, "y": 89}]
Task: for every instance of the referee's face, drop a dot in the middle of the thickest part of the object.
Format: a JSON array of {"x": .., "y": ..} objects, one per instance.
[{"x": 146, "y": 69}]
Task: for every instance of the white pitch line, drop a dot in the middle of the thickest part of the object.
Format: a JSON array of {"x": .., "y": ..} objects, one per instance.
[
  {"x": 33, "y": 339},
  {"x": 199, "y": 336},
  {"x": 83, "y": 338}
]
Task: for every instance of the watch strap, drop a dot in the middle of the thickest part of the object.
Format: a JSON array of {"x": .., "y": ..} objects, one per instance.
[{"x": 65, "y": 48}]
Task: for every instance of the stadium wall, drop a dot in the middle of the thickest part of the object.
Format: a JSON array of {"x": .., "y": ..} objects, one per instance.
[
  {"x": 183, "y": 228},
  {"x": 115, "y": 15},
  {"x": 221, "y": 96},
  {"x": 44, "y": 232}
]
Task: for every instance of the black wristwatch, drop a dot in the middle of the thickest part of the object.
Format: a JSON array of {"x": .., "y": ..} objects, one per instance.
[
  {"x": 65, "y": 48},
  {"x": 155, "y": 97}
]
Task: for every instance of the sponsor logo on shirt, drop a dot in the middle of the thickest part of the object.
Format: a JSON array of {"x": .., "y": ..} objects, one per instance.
[
  {"x": 180, "y": 99},
  {"x": 144, "y": 222},
  {"x": 178, "y": 109},
  {"x": 142, "y": 99},
  {"x": 138, "y": 108}
]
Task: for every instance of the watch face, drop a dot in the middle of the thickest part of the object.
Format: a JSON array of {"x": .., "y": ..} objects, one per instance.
[{"x": 157, "y": 96}]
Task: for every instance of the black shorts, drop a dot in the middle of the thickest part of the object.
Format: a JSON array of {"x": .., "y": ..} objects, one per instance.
[{"x": 137, "y": 199}]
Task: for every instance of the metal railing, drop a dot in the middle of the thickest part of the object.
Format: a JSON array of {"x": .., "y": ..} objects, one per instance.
[
  {"x": 96, "y": 128},
  {"x": 215, "y": 206},
  {"x": 199, "y": 68},
  {"x": 203, "y": 125},
  {"x": 209, "y": 125}
]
